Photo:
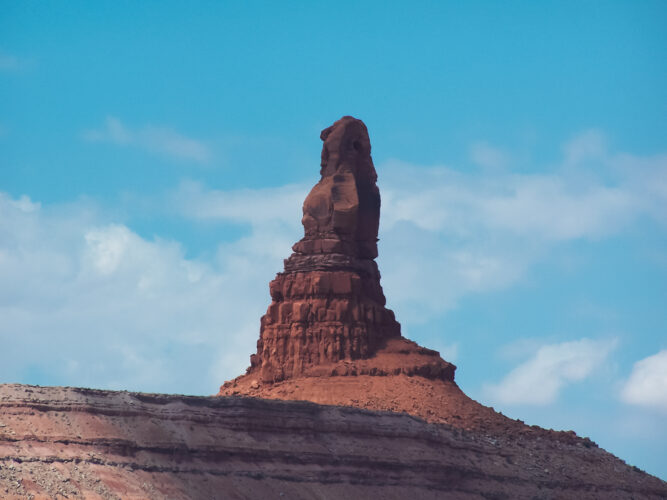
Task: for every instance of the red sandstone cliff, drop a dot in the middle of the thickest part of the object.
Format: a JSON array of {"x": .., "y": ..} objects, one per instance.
[{"x": 58, "y": 443}]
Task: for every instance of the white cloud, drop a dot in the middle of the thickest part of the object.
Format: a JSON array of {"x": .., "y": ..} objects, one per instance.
[
  {"x": 646, "y": 178},
  {"x": 107, "y": 246},
  {"x": 446, "y": 234},
  {"x": 11, "y": 63},
  {"x": 273, "y": 214},
  {"x": 545, "y": 207},
  {"x": 647, "y": 384},
  {"x": 541, "y": 206},
  {"x": 487, "y": 156},
  {"x": 591, "y": 144},
  {"x": 262, "y": 206},
  {"x": 24, "y": 204},
  {"x": 85, "y": 302},
  {"x": 539, "y": 380},
  {"x": 160, "y": 140}
]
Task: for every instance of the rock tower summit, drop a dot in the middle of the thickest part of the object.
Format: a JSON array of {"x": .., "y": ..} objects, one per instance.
[{"x": 328, "y": 316}]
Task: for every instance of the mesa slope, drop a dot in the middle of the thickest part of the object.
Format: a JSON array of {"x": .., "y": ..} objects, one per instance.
[{"x": 81, "y": 443}]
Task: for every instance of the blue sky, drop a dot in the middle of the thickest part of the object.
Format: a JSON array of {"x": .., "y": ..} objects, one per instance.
[{"x": 154, "y": 158}]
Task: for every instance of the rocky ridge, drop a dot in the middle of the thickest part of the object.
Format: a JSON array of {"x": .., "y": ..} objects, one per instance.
[{"x": 81, "y": 443}]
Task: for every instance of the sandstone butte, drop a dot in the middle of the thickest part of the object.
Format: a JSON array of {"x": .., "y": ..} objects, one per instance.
[{"x": 335, "y": 403}]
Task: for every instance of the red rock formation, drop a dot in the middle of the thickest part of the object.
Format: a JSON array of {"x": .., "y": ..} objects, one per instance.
[
  {"x": 60, "y": 443},
  {"x": 327, "y": 338},
  {"x": 328, "y": 306}
]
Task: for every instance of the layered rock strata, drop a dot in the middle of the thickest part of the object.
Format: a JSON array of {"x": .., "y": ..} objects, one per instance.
[
  {"x": 81, "y": 443},
  {"x": 328, "y": 309}
]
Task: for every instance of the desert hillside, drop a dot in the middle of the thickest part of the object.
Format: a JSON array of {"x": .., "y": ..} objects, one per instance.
[{"x": 81, "y": 443}]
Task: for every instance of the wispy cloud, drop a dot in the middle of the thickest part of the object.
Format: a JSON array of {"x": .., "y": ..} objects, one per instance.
[
  {"x": 586, "y": 145},
  {"x": 555, "y": 206},
  {"x": 539, "y": 380},
  {"x": 647, "y": 384},
  {"x": 476, "y": 232},
  {"x": 69, "y": 271},
  {"x": 159, "y": 140},
  {"x": 11, "y": 63},
  {"x": 252, "y": 206},
  {"x": 96, "y": 304},
  {"x": 485, "y": 155},
  {"x": 480, "y": 232}
]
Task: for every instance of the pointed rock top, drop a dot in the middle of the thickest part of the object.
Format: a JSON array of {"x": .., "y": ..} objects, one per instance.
[
  {"x": 327, "y": 316},
  {"x": 347, "y": 148},
  {"x": 341, "y": 214}
]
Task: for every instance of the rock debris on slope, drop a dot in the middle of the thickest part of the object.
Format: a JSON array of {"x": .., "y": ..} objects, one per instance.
[{"x": 89, "y": 444}]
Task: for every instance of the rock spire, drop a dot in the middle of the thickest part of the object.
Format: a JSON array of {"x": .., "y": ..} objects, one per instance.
[
  {"x": 328, "y": 304},
  {"x": 328, "y": 316}
]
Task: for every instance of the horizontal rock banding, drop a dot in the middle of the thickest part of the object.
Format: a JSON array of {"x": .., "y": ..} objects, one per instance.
[
  {"x": 321, "y": 317},
  {"x": 60, "y": 442},
  {"x": 328, "y": 305}
]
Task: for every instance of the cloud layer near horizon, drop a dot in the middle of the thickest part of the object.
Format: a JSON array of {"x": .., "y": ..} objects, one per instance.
[
  {"x": 92, "y": 302},
  {"x": 87, "y": 302},
  {"x": 480, "y": 232},
  {"x": 539, "y": 380},
  {"x": 647, "y": 384}
]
